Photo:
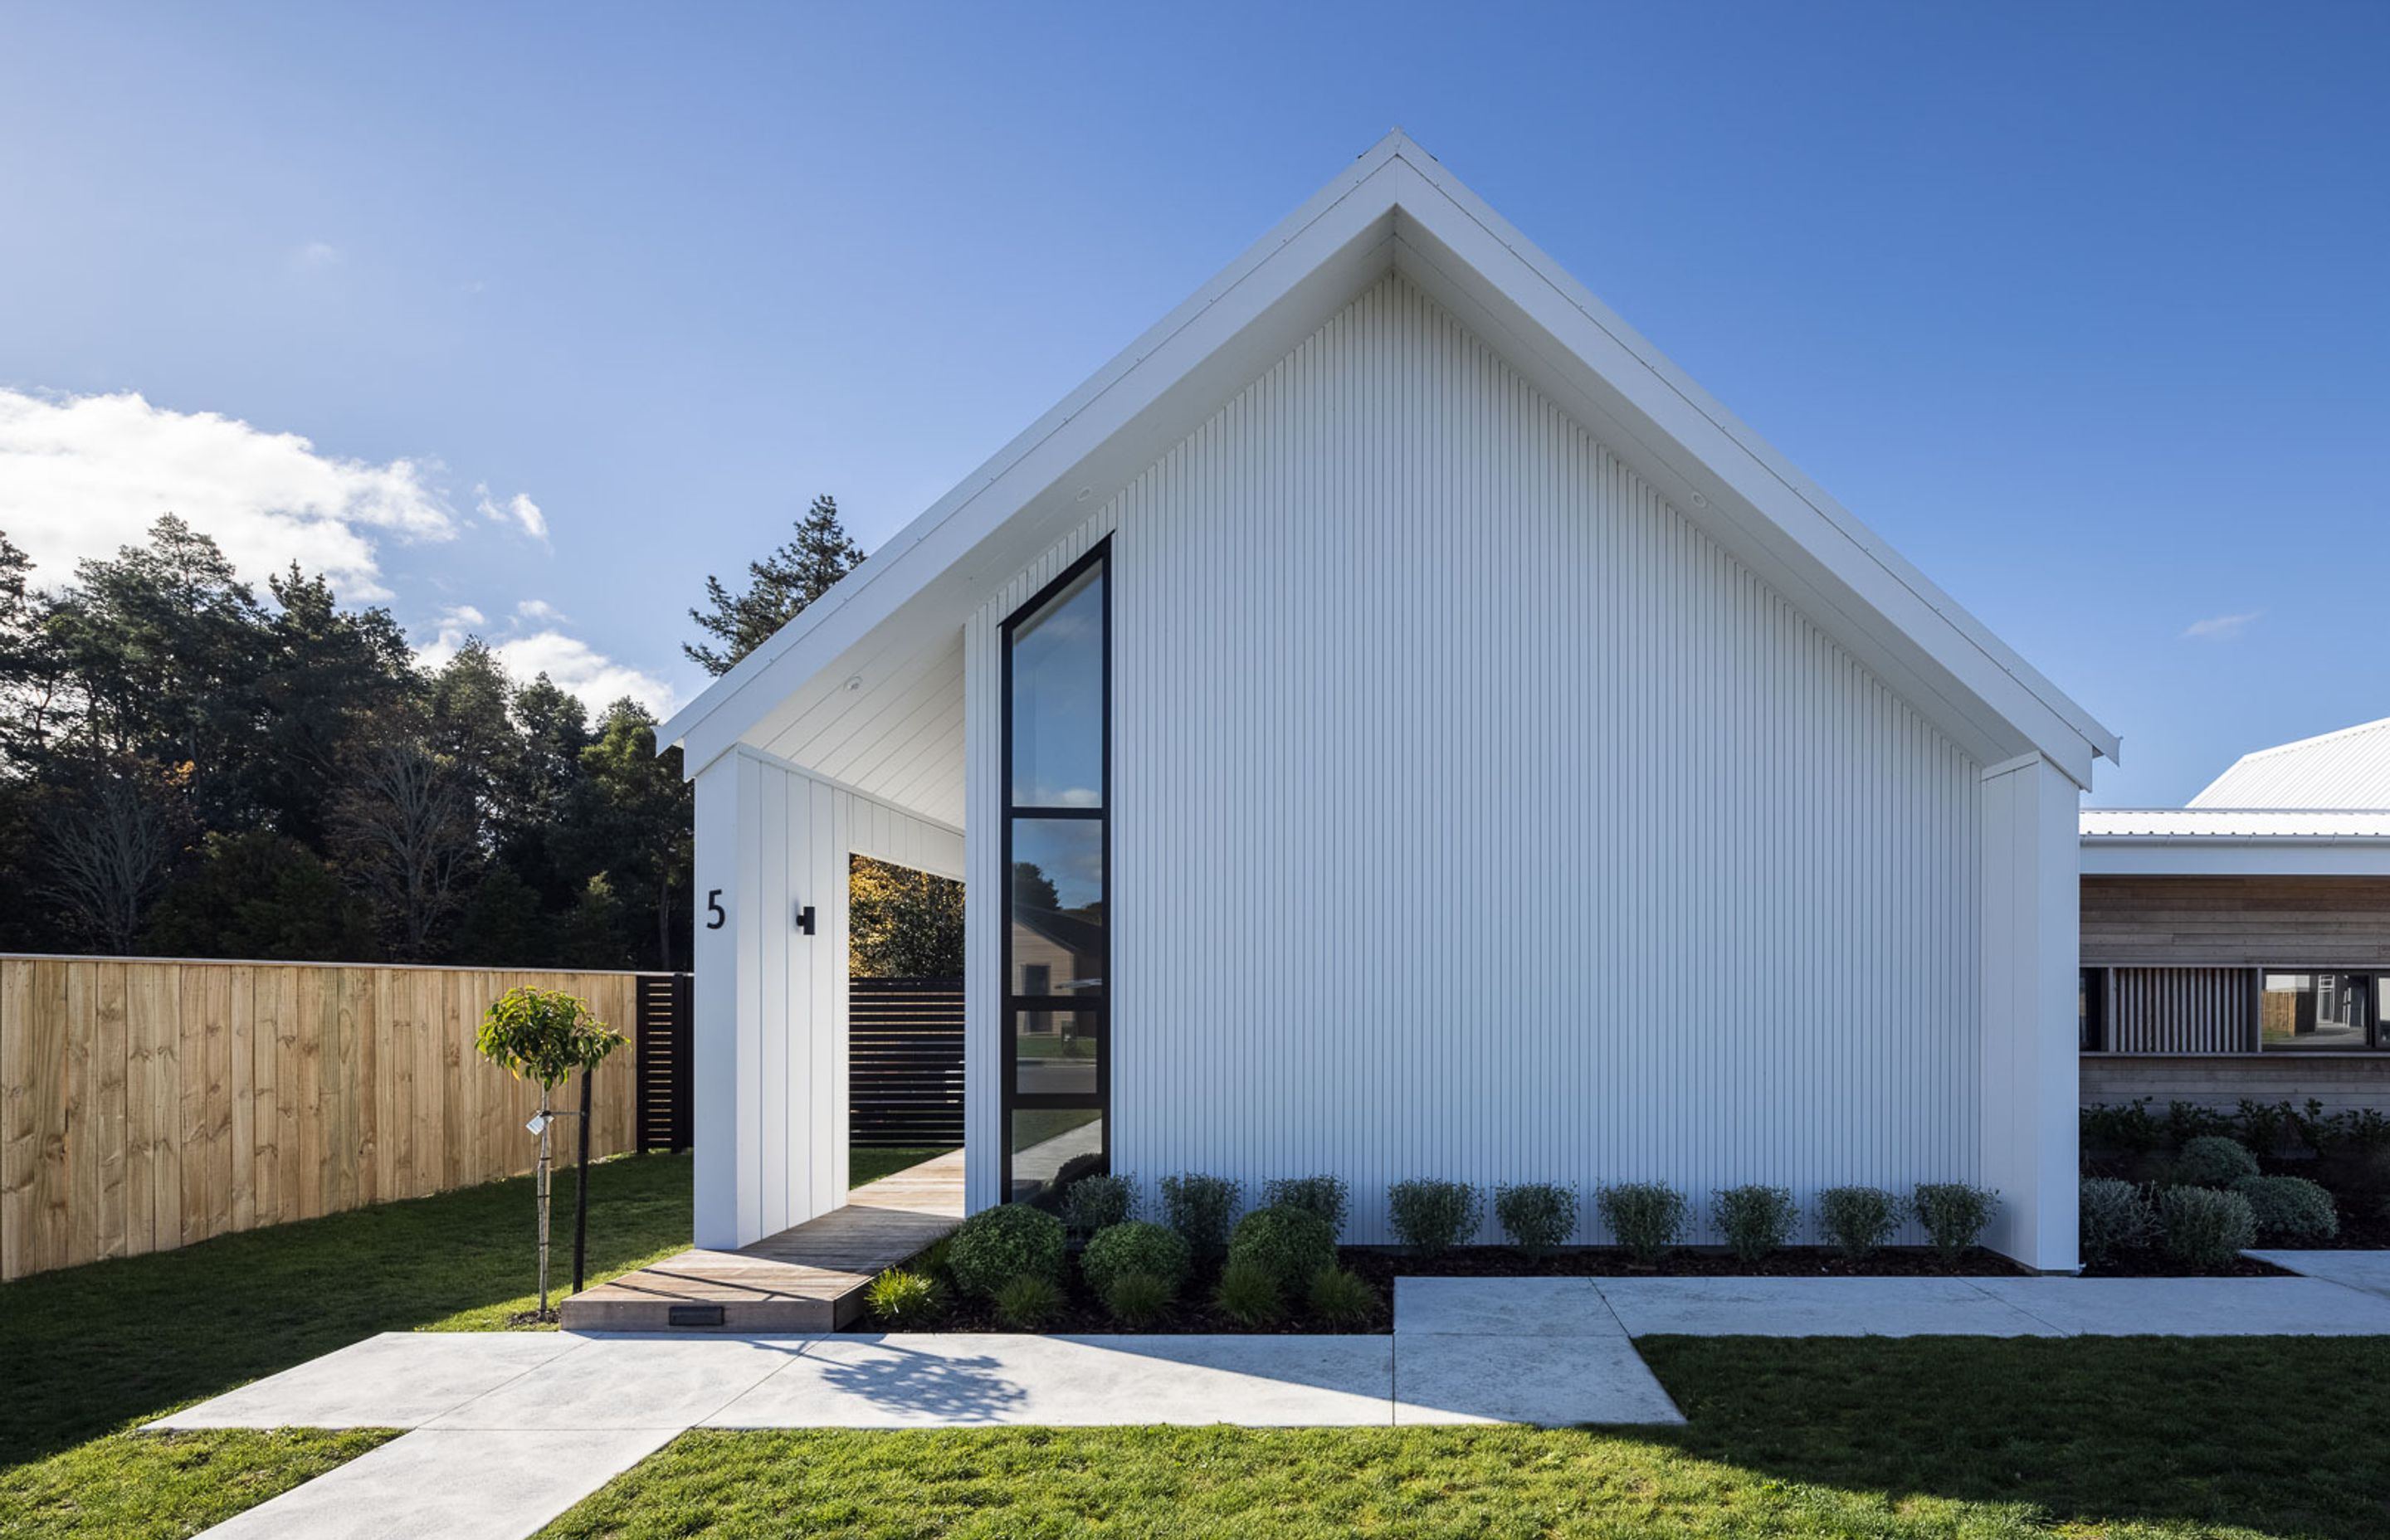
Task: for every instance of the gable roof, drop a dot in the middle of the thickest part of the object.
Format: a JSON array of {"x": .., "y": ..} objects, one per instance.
[
  {"x": 2349, "y": 768},
  {"x": 1395, "y": 208}
]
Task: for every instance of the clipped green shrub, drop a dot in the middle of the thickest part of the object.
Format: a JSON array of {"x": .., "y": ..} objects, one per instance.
[
  {"x": 995, "y": 1246},
  {"x": 1248, "y": 1295},
  {"x": 1645, "y": 1217},
  {"x": 1755, "y": 1220},
  {"x": 1138, "y": 1300},
  {"x": 2205, "y": 1227},
  {"x": 903, "y": 1301},
  {"x": 1431, "y": 1216},
  {"x": 1857, "y": 1219},
  {"x": 1099, "y": 1203},
  {"x": 2289, "y": 1208},
  {"x": 1291, "y": 1244},
  {"x": 1201, "y": 1209},
  {"x": 1328, "y": 1197},
  {"x": 1538, "y": 1216},
  {"x": 1340, "y": 1299},
  {"x": 1028, "y": 1302},
  {"x": 2113, "y": 1216},
  {"x": 1135, "y": 1247},
  {"x": 2210, "y": 1160},
  {"x": 1955, "y": 1214}
]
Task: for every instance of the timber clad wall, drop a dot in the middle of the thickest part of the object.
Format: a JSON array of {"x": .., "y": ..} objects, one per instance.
[
  {"x": 146, "y": 1105},
  {"x": 2341, "y": 1082},
  {"x": 2319, "y": 921}
]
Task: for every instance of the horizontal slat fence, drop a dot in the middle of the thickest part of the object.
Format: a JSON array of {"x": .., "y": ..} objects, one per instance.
[
  {"x": 666, "y": 1062},
  {"x": 904, "y": 1062},
  {"x": 149, "y": 1104}
]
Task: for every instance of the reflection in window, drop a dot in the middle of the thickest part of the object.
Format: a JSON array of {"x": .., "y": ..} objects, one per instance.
[
  {"x": 1057, "y": 906},
  {"x": 1054, "y": 1053},
  {"x": 2319, "y": 1011},
  {"x": 1042, "y": 1139},
  {"x": 1057, "y": 699}
]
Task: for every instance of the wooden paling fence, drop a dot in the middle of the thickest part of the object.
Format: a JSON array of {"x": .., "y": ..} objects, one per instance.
[{"x": 146, "y": 1105}]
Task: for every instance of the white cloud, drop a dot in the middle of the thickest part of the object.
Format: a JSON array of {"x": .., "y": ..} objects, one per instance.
[
  {"x": 519, "y": 511},
  {"x": 316, "y": 254},
  {"x": 571, "y": 663},
  {"x": 83, "y": 475},
  {"x": 537, "y": 610},
  {"x": 577, "y": 666},
  {"x": 2219, "y": 628}
]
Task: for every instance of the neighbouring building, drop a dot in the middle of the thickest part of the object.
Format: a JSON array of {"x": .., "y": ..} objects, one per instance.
[
  {"x": 1393, "y": 723},
  {"x": 2240, "y": 947}
]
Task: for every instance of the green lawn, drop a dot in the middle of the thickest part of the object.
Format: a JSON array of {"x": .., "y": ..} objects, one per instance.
[
  {"x": 1964, "y": 1439},
  {"x": 89, "y": 1351},
  {"x": 1968, "y": 1439}
]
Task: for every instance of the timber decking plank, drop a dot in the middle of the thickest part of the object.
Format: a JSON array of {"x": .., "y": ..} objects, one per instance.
[{"x": 809, "y": 1277}]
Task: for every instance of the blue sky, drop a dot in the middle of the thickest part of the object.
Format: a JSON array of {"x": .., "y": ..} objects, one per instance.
[{"x": 2083, "y": 307}]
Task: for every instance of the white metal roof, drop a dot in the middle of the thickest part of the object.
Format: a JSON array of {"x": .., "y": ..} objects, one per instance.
[
  {"x": 2237, "y": 823},
  {"x": 2343, "y": 769},
  {"x": 860, "y": 648}
]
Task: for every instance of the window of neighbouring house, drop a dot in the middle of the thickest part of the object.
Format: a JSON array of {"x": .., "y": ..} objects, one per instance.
[
  {"x": 1058, "y": 848},
  {"x": 2091, "y": 1009},
  {"x": 2321, "y": 1012}
]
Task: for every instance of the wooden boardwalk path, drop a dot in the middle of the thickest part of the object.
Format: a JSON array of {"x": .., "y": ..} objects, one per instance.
[{"x": 809, "y": 1277}]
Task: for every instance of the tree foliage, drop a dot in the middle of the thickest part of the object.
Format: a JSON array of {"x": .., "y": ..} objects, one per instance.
[
  {"x": 189, "y": 769},
  {"x": 544, "y": 1036},
  {"x": 779, "y": 588}
]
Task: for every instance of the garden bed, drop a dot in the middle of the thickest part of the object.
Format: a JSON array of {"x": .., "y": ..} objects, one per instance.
[{"x": 1083, "y": 1315}]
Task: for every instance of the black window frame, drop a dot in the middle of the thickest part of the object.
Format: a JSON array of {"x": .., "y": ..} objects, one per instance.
[{"x": 1010, "y": 1098}]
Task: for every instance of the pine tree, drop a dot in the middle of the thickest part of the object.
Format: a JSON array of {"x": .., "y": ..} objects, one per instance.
[{"x": 779, "y": 588}]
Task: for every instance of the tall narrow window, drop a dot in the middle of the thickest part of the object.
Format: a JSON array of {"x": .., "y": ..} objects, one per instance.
[{"x": 1056, "y": 846}]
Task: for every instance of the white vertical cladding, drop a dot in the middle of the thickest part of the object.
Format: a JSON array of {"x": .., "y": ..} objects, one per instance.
[
  {"x": 724, "y": 1013},
  {"x": 771, "y": 1008},
  {"x": 2031, "y": 941},
  {"x": 1475, "y": 815}
]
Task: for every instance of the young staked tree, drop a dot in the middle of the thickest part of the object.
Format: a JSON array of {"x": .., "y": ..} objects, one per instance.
[
  {"x": 544, "y": 1036},
  {"x": 779, "y": 588}
]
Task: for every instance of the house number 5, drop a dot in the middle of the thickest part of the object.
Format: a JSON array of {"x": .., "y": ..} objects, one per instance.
[{"x": 714, "y": 907}]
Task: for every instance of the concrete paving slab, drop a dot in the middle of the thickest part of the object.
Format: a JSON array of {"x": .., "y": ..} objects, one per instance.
[
  {"x": 449, "y": 1484},
  {"x": 2366, "y": 1270},
  {"x": 397, "y": 1379},
  {"x": 1502, "y": 1307},
  {"x": 630, "y": 1382},
  {"x": 1553, "y": 1381},
  {"x": 939, "y": 1380},
  {"x": 2197, "y": 1308},
  {"x": 1817, "y": 1307}
]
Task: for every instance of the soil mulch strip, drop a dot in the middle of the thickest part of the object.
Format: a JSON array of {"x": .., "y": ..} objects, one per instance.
[{"x": 1382, "y": 1265}]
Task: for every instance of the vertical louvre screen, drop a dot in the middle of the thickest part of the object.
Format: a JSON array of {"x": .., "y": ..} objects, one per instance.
[
  {"x": 904, "y": 1062},
  {"x": 662, "y": 1046},
  {"x": 2181, "y": 1010}
]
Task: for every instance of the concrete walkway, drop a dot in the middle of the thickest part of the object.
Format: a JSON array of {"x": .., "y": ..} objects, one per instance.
[{"x": 509, "y": 1429}]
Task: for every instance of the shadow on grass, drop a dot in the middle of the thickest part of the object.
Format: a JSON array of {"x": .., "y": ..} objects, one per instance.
[
  {"x": 2283, "y": 1435},
  {"x": 88, "y": 1350}
]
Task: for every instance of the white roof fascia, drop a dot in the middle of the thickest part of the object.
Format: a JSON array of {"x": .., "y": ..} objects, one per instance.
[
  {"x": 2232, "y": 855},
  {"x": 1712, "y": 467}
]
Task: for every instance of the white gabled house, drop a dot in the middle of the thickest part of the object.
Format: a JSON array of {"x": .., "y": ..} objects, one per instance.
[{"x": 1428, "y": 736}]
